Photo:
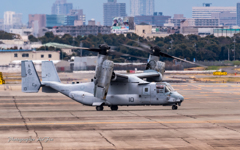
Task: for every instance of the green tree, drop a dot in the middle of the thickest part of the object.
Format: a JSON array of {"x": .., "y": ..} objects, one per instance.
[{"x": 32, "y": 38}]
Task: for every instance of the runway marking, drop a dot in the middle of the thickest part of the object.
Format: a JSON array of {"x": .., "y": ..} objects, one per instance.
[
  {"x": 36, "y": 103},
  {"x": 210, "y": 92},
  {"x": 192, "y": 89},
  {"x": 148, "y": 122},
  {"x": 198, "y": 95},
  {"x": 235, "y": 86},
  {"x": 213, "y": 85}
]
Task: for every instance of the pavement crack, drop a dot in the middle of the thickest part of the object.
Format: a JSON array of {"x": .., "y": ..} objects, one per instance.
[
  {"x": 24, "y": 120},
  {"x": 148, "y": 119},
  {"x": 74, "y": 115},
  {"x": 187, "y": 116},
  {"x": 38, "y": 138},
  {"x": 134, "y": 114},
  {"x": 231, "y": 129},
  {"x": 185, "y": 140},
  {"x": 106, "y": 139},
  {"x": 223, "y": 126}
]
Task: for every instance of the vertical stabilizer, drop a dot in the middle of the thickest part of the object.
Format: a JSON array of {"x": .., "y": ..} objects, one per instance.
[
  {"x": 30, "y": 79},
  {"x": 49, "y": 72}
]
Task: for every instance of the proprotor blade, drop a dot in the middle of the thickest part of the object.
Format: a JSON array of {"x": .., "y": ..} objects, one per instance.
[
  {"x": 116, "y": 53},
  {"x": 138, "y": 48}
]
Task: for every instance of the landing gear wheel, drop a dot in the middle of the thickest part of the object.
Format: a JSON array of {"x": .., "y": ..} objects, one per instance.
[
  {"x": 174, "y": 107},
  {"x": 99, "y": 108},
  {"x": 114, "y": 107}
]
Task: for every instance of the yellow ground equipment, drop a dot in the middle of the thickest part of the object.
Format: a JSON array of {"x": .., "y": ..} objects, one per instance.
[
  {"x": 218, "y": 73},
  {"x": 2, "y": 81}
]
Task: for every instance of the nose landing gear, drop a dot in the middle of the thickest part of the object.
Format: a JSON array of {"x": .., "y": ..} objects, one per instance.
[{"x": 174, "y": 107}]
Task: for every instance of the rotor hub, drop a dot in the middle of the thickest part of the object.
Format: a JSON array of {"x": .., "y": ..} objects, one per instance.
[{"x": 156, "y": 51}]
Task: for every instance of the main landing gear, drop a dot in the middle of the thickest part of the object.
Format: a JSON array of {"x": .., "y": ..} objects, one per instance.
[
  {"x": 99, "y": 108},
  {"x": 174, "y": 107},
  {"x": 114, "y": 107}
]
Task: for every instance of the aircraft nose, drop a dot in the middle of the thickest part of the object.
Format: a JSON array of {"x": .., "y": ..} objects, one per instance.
[{"x": 181, "y": 97}]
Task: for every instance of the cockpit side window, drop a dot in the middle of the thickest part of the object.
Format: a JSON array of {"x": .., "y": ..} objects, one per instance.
[
  {"x": 170, "y": 88},
  {"x": 160, "y": 88}
]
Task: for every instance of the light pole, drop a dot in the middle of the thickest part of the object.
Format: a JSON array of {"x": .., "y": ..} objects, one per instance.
[
  {"x": 228, "y": 54},
  {"x": 171, "y": 42},
  {"x": 195, "y": 45},
  {"x": 234, "y": 49},
  {"x": 81, "y": 49}
]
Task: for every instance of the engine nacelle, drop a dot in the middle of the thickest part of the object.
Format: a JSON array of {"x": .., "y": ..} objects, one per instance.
[
  {"x": 160, "y": 67},
  {"x": 103, "y": 79},
  {"x": 155, "y": 64},
  {"x": 155, "y": 79}
]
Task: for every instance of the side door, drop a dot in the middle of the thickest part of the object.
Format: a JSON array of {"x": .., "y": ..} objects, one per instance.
[
  {"x": 161, "y": 95},
  {"x": 146, "y": 95}
]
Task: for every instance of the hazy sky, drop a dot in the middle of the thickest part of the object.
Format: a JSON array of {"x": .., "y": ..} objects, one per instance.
[{"x": 94, "y": 8}]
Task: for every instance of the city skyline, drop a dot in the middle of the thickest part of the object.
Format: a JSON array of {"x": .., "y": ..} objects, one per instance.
[{"x": 90, "y": 9}]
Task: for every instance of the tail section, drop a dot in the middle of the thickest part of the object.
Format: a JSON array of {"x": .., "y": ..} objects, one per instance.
[
  {"x": 49, "y": 72},
  {"x": 30, "y": 79}
]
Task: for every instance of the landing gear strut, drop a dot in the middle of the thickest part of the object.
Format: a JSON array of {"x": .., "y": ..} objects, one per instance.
[
  {"x": 99, "y": 108},
  {"x": 114, "y": 107},
  {"x": 174, "y": 107}
]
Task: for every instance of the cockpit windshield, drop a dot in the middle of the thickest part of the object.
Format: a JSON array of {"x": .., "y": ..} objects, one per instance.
[{"x": 170, "y": 88}]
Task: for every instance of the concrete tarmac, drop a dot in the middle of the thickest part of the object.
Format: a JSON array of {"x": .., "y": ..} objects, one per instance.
[{"x": 209, "y": 118}]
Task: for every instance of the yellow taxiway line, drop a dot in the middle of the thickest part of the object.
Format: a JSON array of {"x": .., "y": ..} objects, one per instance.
[{"x": 148, "y": 122}]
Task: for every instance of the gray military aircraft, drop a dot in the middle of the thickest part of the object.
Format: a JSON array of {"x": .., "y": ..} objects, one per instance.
[{"x": 107, "y": 88}]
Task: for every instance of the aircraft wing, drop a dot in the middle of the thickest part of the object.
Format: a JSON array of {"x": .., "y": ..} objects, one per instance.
[
  {"x": 136, "y": 78},
  {"x": 120, "y": 78},
  {"x": 148, "y": 74}
]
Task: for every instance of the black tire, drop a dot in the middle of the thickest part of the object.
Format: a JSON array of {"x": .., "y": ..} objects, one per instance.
[
  {"x": 114, "y": 107},
  {"x": 174, "y": 107},
  {"x": 99, "y": 108}
]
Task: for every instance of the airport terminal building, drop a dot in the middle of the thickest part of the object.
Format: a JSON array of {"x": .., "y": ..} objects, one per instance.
[{"x": 16, "y": 56}]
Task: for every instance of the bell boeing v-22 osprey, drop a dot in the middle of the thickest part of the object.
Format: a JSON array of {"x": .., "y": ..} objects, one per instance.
[{"x": 107, "y": 88}]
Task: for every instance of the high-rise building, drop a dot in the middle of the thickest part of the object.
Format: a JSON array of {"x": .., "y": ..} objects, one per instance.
[
  {"x": 226, "y": 18},
  {"x": 177, "y": 19},
  {"x": 41, "y": 18},
  {"x": 1, "y": 24},
  {"x": 92, "y": 22},
  {"x": 113, "y": 9},
  {"x": 158, "y": 20},
  {"x": 12, "y": 20},
  {"x": 59, "y": 20},
  {"x": 61, "y": 7},
  {"x": 206, "y": 11},
  {"x": 70, "y": 20},
  {"x": 238, "y": 14},
  {"x": 79, "y": 13},
  {"x": 82, "y": 30},
  {"x": 37, "y": 22},
  {"x": 55, "y": 20},
  {"x": 141, "y": 7},
  {"x": 8, "y": 17},
  {"x": 204, "y": 22}
]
